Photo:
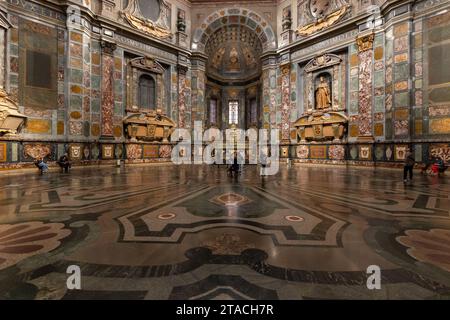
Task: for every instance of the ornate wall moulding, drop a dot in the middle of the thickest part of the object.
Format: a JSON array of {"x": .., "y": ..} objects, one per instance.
[
  {"x": 441, "y": 151},
  {"x": 108, "y": 151},
  {"x": 147, "y": 63},
  {"x": 400, "y": 152},
  {"x": 365, "y": 152},
  {"x": 159, "y": 28},
  {"x": 37, "y": 150},
  {"x": 75, "y": 152},
  {"x": 322, "y": 61}
]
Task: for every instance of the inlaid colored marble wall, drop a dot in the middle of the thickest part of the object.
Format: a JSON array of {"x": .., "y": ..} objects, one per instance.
[
  {"x": 107, "y": 93},
  {"x": 401, "y": 75},
  {"x": 389, "y": 87},
  {"x": 285, "y": 102},
  {"x": 353, "y": 88},
  {"x": 379, "y": 88},
  {"x": 396, "y": 91}
]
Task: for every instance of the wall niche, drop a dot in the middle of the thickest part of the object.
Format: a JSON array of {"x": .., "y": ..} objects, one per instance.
[{"x": 145, "y": 85}]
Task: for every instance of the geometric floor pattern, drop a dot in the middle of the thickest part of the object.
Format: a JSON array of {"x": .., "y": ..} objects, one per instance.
[{"x": 192, "y": 232}]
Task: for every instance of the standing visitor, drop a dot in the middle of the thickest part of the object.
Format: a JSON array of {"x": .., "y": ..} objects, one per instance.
[{"x": 409, "y": 165}]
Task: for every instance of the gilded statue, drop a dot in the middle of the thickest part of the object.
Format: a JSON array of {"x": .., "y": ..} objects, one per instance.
[
  {"x": 323, "y": 97},
  {"x": 11, "y": 120}
]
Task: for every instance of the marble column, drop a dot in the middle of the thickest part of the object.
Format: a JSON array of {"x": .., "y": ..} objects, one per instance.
[
  {"x": 365, "y": 107},
  {"x": 107, "y": 88}
]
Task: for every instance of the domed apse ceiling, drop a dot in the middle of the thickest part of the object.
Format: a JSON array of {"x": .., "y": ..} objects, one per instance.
[{"x": 234, "y": 53}]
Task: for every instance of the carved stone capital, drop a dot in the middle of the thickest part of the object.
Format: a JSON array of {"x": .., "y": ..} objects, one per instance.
[
  {"x": 182, "y": 69},
  {"x": 365, "y": 43},
  {"x": 108, "y": 47},
  {"x": 285, "y": 69}
]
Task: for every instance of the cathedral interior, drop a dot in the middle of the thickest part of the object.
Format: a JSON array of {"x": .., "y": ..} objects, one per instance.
[{"x": 349, "y": 89}]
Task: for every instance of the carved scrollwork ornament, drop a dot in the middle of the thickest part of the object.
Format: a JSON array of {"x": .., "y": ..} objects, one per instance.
[
  {"x": 325, "y": 14},
  {"x": 159, "y": 28}
]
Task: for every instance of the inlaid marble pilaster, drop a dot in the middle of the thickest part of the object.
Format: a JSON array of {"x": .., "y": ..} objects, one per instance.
[
  {"x": 79, "y": 83},
  {"x": 365, "y": 77},
  {"x": 265, "y": 100},
  {"x": 419, "y": 110},
  {"x": 182, "y": 71},
  {"x": 107, "y": 88},
  {"x": 401, "y": 79},
  {"x": 174, "y": 92},
  {"x": 294, "y": 114},
  {"x": 388, "y": 88},
  {"x": 198, "y": 90},
  {"x": 285, "y": 102},
  {"x": 273, "y": 97}
]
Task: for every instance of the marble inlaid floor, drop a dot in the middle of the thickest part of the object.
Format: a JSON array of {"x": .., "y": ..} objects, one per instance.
[{"x": 192, "y": 232}]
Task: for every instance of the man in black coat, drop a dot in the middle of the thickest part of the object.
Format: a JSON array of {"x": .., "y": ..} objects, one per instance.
[{"x": 64, "y": 163}]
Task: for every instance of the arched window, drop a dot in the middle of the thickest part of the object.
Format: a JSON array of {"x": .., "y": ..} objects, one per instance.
[
  {"x": 212, "y": 111},
  {"x": 146, "y": 92},
  {"x": 253, "y": 112},
  {"x": 233, "y": 112}
]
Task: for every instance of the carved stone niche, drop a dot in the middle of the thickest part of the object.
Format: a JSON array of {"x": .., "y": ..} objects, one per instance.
[
  {"x": 332, "y": 68},
  {"x": 325, "y": 83},
  {"x": 147, "y": 67},
  {"x": 151, "y": 126}
]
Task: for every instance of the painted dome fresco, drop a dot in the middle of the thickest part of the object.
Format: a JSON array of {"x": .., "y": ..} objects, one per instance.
[{"x": 234, "y": 54}]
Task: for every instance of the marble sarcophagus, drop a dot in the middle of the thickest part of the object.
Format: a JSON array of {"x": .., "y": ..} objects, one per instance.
[
  {"x": 150, "y": 126},
  {"x": 319, "y": 126}
]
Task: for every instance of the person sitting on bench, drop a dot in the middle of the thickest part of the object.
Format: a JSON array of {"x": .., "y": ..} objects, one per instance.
[{"x": 64, "y": 163}]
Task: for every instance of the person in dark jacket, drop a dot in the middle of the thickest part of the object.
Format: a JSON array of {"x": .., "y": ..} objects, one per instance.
[
  {"x": 409, "y": 165},
  {"x": 64, "y": 163}
]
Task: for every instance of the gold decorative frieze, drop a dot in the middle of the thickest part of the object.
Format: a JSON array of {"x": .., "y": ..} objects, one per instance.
[
  {"x": 322, "y": 23},
  {"x": 159, "y": 28},
  {"x": 365, "y": 43}
]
